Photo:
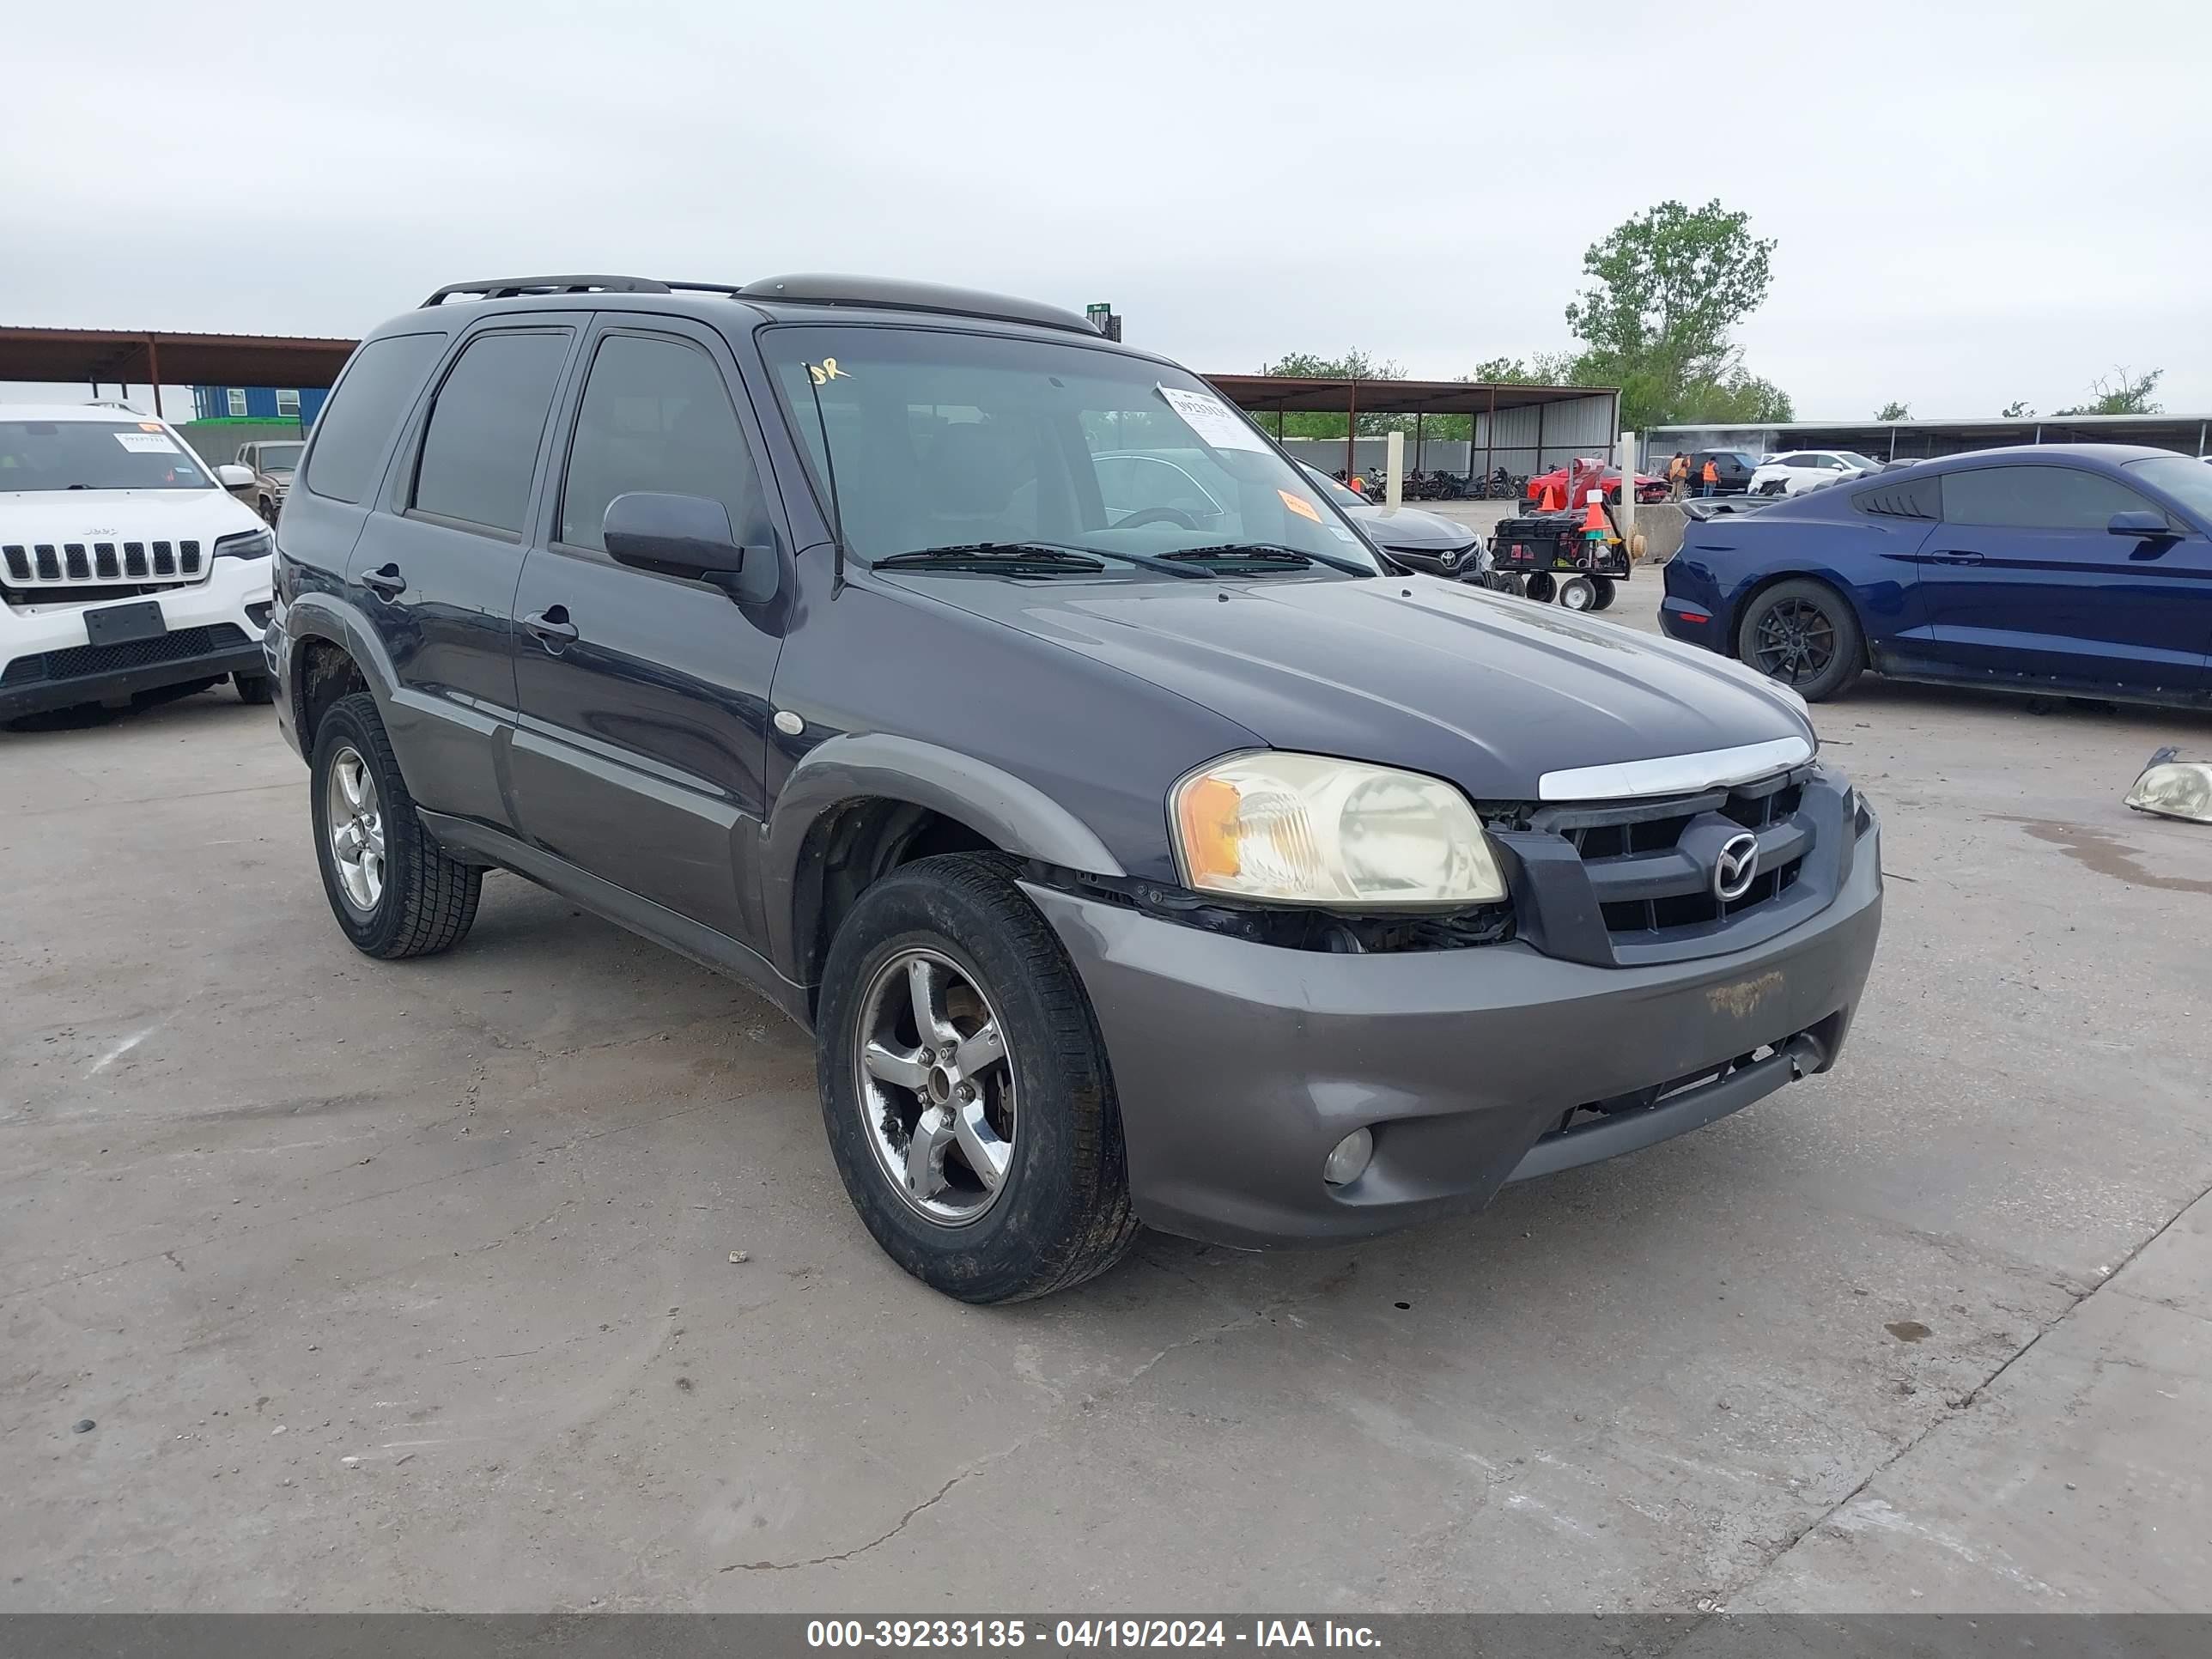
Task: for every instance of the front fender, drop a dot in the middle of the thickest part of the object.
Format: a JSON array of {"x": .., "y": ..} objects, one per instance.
[{"x": 1017, "y": 816}]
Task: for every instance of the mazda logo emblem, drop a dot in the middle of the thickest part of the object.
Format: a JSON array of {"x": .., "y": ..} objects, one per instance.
[{"x": 1736, "y": 867}]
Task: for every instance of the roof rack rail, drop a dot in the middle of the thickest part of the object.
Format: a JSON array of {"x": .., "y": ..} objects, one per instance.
[
  {"x": 892, "y": 293},
  {"x": 508, "y": 288}
]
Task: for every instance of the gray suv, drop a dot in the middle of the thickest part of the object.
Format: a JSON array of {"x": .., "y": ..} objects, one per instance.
[{"x": 1176, "y": 861}]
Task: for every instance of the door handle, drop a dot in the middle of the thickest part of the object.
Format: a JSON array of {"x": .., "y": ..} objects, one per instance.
[
  {"x": 388, "y": 581},
  {"x": 1956, "y": 555},
  {"x": 551, "y": 627}
]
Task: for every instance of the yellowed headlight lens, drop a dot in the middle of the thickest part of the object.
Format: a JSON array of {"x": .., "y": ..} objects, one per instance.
[{"x": 1313, "y": 830}]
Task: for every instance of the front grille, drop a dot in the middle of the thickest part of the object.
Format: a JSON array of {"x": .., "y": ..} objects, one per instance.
[
  {"x": 1633, "y": 881},
  {"x": 79, "y": 661},
  {"x": 75, "y": 564}
]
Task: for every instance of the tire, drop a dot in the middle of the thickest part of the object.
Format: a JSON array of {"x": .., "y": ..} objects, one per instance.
[
  {"x": 1577, "y": 593},
  {"x": 1608, "y": 591},
  {"x": 1804, "y": 633},
  {"x": 422, "y": 901},
  {"x": 1512, "y": 585},
  {"x": 1060, "y": 1214},
  {"x": 1541, "y": 586},
  {"x": 267, "y": 511},
  {"x": 254, "y": 688}
]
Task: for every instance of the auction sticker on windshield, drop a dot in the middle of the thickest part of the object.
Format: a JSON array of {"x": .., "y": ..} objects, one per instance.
[
  {"x": 146, "y": 443},
  {"x": 1215, "y": 422}
]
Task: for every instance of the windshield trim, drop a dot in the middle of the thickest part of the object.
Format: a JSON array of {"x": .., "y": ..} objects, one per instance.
[{"x": 817, "y": 488}]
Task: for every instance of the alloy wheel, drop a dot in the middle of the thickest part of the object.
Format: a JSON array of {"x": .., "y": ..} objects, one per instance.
[
  {"x": 1794, "y": 642},
  {"x": 935, "y": 1084},
  {"x": 355, "y": 816}
]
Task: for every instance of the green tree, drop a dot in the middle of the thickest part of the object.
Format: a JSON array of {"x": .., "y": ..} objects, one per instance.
[
  {"x": 1664, "y": 291},
  {"x": 1544, "y": 369},
  {"x": 2016, "y": 411},
  {"x": 1893, "y": 410},
  {"x": 2122, "y": 393}
]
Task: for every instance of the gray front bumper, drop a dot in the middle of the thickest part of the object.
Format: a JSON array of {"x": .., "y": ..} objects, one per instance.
[{"x": 1238, "y": 1065}]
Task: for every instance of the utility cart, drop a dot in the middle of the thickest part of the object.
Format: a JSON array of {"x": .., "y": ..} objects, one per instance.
[{"x": 1546, "y": 556}]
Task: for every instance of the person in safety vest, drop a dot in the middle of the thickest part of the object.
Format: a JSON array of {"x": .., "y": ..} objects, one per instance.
[{"x": 1712, "y": 479}]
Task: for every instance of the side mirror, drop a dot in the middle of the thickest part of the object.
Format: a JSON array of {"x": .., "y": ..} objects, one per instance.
[
  {"x": 2141, "y": 524},
  {"x": 686, "y": 536},
  {"x": 232, "y": 477}
]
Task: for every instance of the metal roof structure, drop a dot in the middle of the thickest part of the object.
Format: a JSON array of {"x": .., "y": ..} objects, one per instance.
[
  {"x": 99, "y": 356},
  {"x": 1922, "y": 439},
  {"x": 1269, "y": 394}
]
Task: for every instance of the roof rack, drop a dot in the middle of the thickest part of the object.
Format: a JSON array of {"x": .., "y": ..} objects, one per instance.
[
  {"x": 890, "y": 293},
  {"x": 509, "y": 287}
]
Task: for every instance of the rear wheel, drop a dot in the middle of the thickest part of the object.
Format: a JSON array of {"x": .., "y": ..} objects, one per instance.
[
  {"x": 1541, "y": 586},
  {"x": 392, "y": 887},
  {"x": 1607, "y": 591},
  {"x": 1804, "y": 633},
  {"x": 965, "y": 1089},
  {"x": 1577, "y": 593}
]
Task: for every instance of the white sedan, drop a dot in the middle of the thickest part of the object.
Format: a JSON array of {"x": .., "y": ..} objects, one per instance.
[{"x": 1800, "y": 470}]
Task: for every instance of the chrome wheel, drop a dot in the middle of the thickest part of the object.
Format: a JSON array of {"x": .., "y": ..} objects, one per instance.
[
  {"x": 936, "y": 1087},
  {"x": 355, "y": 820}
]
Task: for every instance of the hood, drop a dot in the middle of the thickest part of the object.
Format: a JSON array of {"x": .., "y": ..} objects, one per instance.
[
  {"x": 1433, "y": 676},
  {"x": 122, "y": 515},
  {"x": 1410, "y": 527}
]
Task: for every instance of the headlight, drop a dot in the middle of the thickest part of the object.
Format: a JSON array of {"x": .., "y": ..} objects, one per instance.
[
  {"x": 247, "y": 544},
  {"x": 2174, "y": 788},
  {"x": 1308, "y": 830}
]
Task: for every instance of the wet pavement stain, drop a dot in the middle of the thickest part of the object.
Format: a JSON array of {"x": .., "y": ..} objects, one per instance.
[
  {"x": 2106, "y": 854},
  {"x": 1908, "y": 1330}
]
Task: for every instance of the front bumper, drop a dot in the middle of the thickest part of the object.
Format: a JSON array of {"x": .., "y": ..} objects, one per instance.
[
  {"x": 1238, "y": 1065},
  {"x": 213, "y": 628}
]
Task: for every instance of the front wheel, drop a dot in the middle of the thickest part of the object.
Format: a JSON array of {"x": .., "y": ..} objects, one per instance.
[
  {"x": 1541, "y": 586},
  {"x": 1804, "y": 633},
  {"x": 1577, "y": 593},
  {"x": 965, "y": 1087},
  {"x": 254, "y": 688}
]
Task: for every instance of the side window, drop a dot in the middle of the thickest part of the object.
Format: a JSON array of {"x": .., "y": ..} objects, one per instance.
[
  {"x": 287, "y": 402},
  {"x": 480, "y": 444},
  {"x": 358, "y": 423},
  {"x": 234, "y": 399},
  {"x": 656, "y": 416},
  {"x": 2036, "y": 498}
]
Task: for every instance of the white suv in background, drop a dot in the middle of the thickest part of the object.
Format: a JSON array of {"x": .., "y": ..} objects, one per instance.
[
  {"x": 128, "y": 571},
  {"x": 1801, "y": 470}
]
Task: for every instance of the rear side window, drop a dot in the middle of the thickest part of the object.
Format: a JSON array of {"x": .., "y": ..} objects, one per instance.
[
  {"x": 481, "y": 445},
  {"x": 2036, "y": 498},
  {"x": 656, "y": 416},
  {"x": 1920, "y": 499},
  {"x": 356, "y": 426}
]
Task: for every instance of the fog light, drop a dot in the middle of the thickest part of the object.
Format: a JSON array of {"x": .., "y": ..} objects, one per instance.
[{"x": 1350, "y": 1159}]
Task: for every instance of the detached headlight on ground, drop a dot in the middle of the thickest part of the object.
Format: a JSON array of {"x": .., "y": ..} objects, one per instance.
[
  {"x": 2174, "y": 788},
  {"x": 1310, "y": 829}
]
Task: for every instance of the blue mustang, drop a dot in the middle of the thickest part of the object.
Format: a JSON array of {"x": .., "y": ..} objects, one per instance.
[{"x": 2084, "y": 568}]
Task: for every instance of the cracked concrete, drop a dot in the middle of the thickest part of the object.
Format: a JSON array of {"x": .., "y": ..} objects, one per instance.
[{"x": 462, "y": 1227}]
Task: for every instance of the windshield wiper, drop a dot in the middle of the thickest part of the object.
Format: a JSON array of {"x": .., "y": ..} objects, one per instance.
[
  {"x": 993, "y": 556},
  {"x": 1273, "y": 553},
  {"x": 1038, "y": 556}
]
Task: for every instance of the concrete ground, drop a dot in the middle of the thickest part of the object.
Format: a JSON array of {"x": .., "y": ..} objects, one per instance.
[{"x": 411, "y": 1286}]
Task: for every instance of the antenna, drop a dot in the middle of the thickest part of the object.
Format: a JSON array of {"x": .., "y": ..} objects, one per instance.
[{"x": 814, "y": 379}]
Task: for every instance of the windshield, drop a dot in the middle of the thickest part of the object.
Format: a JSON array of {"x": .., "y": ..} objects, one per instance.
[
  {"x": 1335, "y": 491},
  {"x": 280, "y": 457},
  {"x": 94, "y": 455},
  {"x": 2188, "y": 481},
  {"x": 941, "y": 439}
]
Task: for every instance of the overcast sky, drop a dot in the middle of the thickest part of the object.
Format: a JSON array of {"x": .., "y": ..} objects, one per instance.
[{"x": 1975, "y": 202}]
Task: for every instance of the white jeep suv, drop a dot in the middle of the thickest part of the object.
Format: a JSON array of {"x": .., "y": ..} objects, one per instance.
[{"x": 127, "y": 568}]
